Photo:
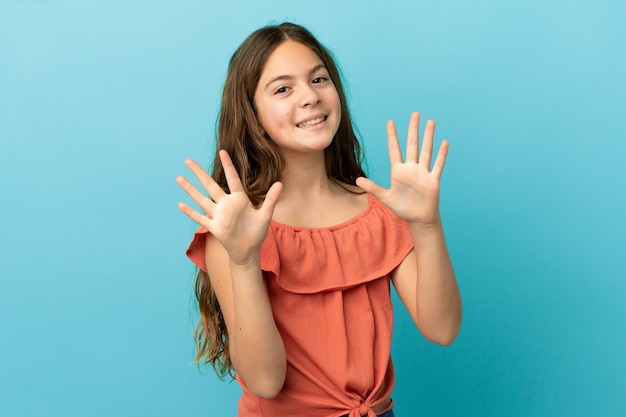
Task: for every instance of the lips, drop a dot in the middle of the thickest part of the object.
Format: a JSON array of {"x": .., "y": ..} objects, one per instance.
[{"x": 312, "y": 122}]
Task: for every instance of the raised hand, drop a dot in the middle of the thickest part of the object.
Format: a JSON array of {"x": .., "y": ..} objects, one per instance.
[
  {"x": 240, "y": 227},
  {"x": 414, "y": 191}
]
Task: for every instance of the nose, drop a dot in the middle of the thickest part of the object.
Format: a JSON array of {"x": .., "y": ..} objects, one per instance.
[{"x": 310, "y": 96}]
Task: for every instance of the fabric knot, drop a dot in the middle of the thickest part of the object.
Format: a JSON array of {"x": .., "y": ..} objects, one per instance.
[{"x": 363, "y": 410}]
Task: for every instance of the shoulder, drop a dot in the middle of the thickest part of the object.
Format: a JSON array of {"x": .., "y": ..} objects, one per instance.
[{"x": 350, "y": 188}]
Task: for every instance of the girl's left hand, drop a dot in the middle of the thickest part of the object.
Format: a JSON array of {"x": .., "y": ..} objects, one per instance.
[{"x": 414, "y": 191}]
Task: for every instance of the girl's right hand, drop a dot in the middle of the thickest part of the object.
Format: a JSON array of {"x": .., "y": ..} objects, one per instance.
[{"x": 240, "y": 227}]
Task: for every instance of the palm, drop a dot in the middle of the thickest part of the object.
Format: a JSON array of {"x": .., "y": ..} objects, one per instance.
[
  {"x": 414, "y": 191},
  {"x": 230, "y": 217},
  {"x": 234, "y": 219}
]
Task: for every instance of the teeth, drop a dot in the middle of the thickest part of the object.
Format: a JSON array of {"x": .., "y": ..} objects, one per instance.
[{"x": 312, "y": 122}]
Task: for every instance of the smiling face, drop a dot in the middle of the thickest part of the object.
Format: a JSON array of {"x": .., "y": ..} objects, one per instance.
[{"x": 295, "y": 100}]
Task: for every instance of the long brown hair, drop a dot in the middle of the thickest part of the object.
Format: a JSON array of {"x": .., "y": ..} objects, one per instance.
[{"x": 258, "y": 159}]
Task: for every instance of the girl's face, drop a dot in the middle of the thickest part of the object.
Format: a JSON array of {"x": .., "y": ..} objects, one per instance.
[{"x": 296, "y": 102}]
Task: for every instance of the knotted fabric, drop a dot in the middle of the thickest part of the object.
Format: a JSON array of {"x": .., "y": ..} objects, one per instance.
[{"x": 362, "y": 411}]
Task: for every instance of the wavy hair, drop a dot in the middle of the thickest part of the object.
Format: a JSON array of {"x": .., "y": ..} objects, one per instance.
[{"x": 258, "y": 159}]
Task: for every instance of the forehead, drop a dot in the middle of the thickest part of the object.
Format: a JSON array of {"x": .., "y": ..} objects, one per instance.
[{"x": 290, "y": 58}]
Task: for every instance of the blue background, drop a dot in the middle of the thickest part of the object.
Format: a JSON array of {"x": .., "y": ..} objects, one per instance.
[{"x": 101, "y": 101}]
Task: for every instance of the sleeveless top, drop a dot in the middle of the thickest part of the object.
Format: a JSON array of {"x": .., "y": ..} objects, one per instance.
[{"x": 329, "y": 289}]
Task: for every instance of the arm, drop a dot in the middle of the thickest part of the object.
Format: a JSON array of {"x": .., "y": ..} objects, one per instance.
[
  {"x": 237, "y": 231},
  {"x": 256, "y": 348},
  {"x": 425, "y": 280},
  {"x": 426, "y": 284}
]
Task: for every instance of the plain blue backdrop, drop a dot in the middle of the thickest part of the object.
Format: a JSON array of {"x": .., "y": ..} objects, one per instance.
[{"x": 101, "y": 101}]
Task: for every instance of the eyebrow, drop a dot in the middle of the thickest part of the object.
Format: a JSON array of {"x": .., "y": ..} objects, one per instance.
[{"x": 291, "y": 77}]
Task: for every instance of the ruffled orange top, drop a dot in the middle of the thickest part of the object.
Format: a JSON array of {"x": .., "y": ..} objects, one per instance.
[{"x": 330, "y": 294}]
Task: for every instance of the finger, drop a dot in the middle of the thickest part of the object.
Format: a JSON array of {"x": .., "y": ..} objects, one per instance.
[
  {"x": 200, "y": 199},
  {"x": 209, "y": 184},
  {"x": 197, "y": 217},
  {"x": 271, "y": 198},
  {"x": 412, "y": 141},
  {"x": 427, "y": 144},
  {"x": 395, "y": 153},
  {"x": 441, "y": 159},
  {"x": 232, "y": 177},
  {"x": 371, "y": 187}
]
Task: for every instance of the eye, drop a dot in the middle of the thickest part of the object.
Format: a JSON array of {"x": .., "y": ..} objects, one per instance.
[
  {"x": 319, "y": 80},
  {"x": 281, "y": 90}
]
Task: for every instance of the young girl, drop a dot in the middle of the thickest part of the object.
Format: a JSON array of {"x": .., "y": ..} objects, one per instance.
[{"x": 296, "y": 248}]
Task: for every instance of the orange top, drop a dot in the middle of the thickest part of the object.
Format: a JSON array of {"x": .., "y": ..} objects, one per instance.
[{"x": 330, "y": 294}]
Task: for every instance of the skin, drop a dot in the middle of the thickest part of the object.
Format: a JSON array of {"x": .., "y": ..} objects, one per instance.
[
  {"x": 294, "y": 88},
  {"x": 291, "y": 90}
]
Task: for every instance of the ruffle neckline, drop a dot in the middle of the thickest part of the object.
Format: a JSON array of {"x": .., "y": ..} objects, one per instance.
[{"x": 365, "y": 247}]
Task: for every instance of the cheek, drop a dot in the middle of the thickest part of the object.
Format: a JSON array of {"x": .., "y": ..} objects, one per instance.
[
  {"x": 274, "y": 119},
  {"x": 337, "y": 105},
  {"x": 281, "y": 109},
  {"x": 266, "y": 117},
  {"x": 278, "y": 116},
  {"x": 333, "y": 98}
]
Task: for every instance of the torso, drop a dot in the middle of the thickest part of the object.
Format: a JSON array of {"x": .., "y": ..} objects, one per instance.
[{"x": 329, "y": 286}]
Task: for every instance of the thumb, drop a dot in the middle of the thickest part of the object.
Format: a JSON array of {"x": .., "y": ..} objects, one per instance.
[
  {"x": 271, "y": 198},
  {"x": 370, "y": 187}
]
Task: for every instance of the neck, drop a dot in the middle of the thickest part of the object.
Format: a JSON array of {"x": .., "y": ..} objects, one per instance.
[
  {"x": 306, "y": 177},
  {"x": 310, "y": 199}
]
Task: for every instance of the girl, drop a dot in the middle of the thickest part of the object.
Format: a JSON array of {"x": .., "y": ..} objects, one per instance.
[{"x": 296, "y": 248}]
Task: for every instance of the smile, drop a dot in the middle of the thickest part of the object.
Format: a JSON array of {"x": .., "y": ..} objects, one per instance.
[{"x": 312, "y": 122}]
